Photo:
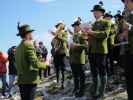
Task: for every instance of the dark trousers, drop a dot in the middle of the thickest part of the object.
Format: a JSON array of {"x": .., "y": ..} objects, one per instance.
[
  {"x": 110, "y": 63},
  {"x": 79, "y": 77},
  {"x": 129, "y": 76},
  {"x": 40, "y": 73},
  {"x": 47, "y": 71},
  {"x": 99, "y": 73},
  {"x": 27, "y": 91},
  {"x": 123, "y": 61},
  {"x": 59, "y": 66},
  {"x": 4, "y": 83}
]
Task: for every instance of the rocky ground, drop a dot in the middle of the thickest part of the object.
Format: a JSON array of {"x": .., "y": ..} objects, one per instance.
[
  {"x": 49, "y": 90},
  {"x": 116, "y": 92}
]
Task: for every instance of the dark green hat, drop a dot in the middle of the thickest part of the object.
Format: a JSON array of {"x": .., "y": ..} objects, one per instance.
[
  {"x": 24, "y": 29},
  {"x": 108, "y": 15},
  {"x": 98, "y": 7}
]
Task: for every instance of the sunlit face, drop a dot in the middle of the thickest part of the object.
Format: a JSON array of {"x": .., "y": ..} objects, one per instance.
[
  {"x": 61, "y": 26},
  {"x": 97, "y": 14},
  {"x": 77, "y": 28},
  {"x": 129, "y": 4},
  {"x": 29, "y": 36}
]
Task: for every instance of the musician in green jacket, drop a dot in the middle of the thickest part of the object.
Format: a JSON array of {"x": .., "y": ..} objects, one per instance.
[
  {"x": 60, "y": 50},
  {"x": 122, "y": 37},
  {"x": 77, "y": 59},
  {"x": 129, "y": 68},
  {"x": 98, "y": 51},
  {"x": 27, "y": 64},
  {"x": 110, "y": 43}
]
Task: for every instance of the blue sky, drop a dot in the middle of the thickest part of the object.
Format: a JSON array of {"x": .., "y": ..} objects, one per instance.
[{"x": 43, "y": 15}]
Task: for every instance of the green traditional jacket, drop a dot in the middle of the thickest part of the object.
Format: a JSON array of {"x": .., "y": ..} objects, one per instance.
[
  {"x": 77, "y": 54},
  {"x": 129, "y": 19},
  {"x": 101, "y": 30},
  {"x": 120, "y": 30},
  {"x": 27, "y": 63},
  {"x": 112, "y": 34},
  {"x": 60, "y": 42}
]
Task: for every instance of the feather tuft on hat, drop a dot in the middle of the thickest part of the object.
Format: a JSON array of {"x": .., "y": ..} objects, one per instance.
[{"x": 101, "y": 3}]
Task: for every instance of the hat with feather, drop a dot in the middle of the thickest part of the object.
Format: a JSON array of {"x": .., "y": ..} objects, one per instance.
[
  {"x": 98, "y": 7},
  {"x": 24, "y": 29}
]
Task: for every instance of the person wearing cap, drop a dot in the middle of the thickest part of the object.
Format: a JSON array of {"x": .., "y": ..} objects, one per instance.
[
  {"x": 98, "y": 51},
  {"x": 129, "y": 68},
  {"x": 39, "y": 55},
  {"x": 44, "y": 53},
  {"x": 77, "y": 59},
  {"x": 44, "y": 50},
  {"x": 60, "y": 50},
  {"x": 110, "y": 66},
  {"x": 27, "y": 63}
]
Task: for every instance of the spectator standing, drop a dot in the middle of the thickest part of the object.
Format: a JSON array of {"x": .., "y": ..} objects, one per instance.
[
  {"x": 44, "y": 53},
  {"x": 12, "y": 68},
  {"x": 3, "y": 71}
]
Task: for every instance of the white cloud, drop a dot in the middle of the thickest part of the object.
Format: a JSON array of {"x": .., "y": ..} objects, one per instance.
[{"x": 45, "y": 1}]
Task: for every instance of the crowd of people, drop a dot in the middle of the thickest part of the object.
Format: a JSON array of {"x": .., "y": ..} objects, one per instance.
[{"x": 106, "y": 43}]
